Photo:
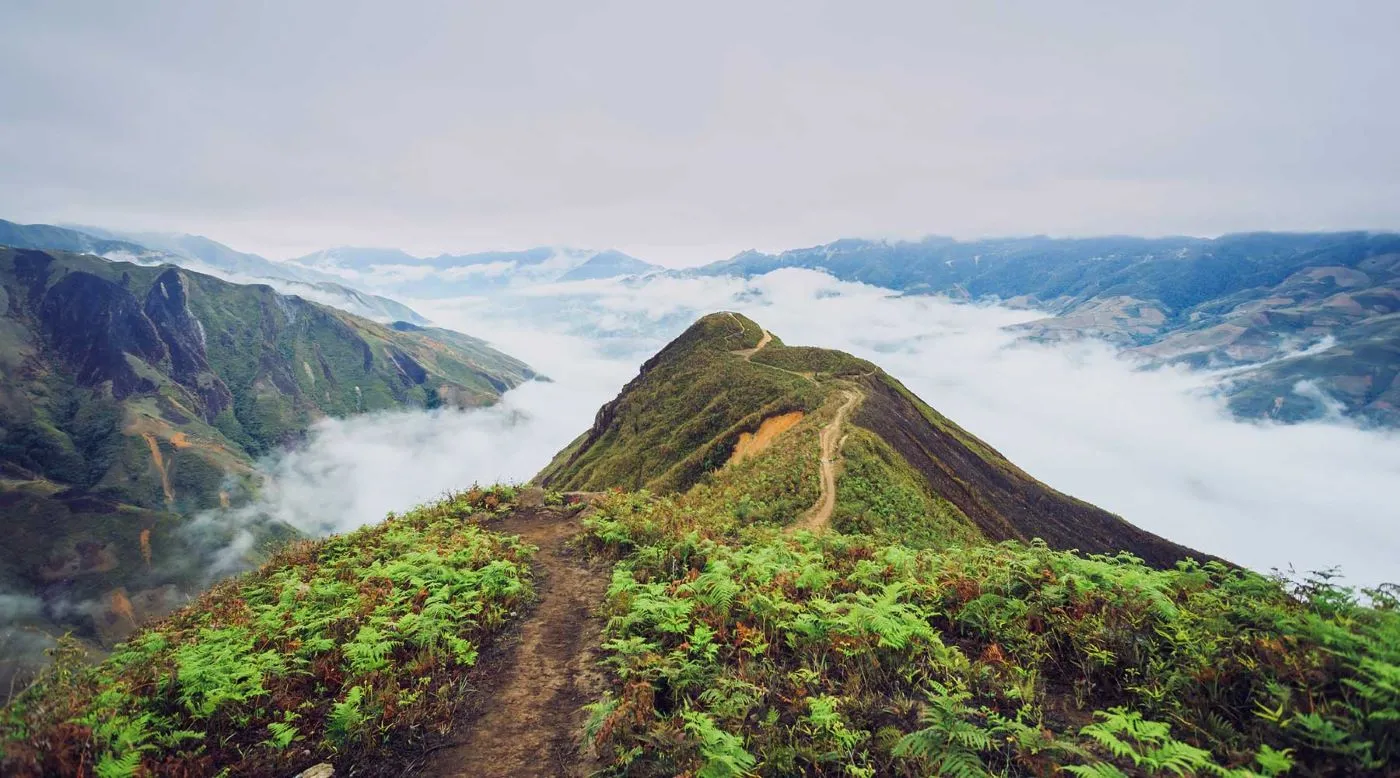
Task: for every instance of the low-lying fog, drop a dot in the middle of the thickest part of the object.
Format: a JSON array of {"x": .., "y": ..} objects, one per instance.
[{"x": 1153, "y": 446}]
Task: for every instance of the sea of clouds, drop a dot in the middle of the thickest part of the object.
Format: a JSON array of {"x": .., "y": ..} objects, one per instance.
[{"x": 1155, "y": 446}]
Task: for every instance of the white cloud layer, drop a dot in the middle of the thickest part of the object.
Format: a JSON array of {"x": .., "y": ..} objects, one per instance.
[{"x": 1154, "y": 446}]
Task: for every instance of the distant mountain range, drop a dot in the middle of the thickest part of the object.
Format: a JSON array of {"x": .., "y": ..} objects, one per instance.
[
  {"x": 455, "y": 275},
  {"x": 1301, "y": 325},
  {"x": 338, "y": 277}
]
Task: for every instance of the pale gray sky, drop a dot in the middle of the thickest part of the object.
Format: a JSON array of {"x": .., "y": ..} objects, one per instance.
[{"x": 687, "y": 131}]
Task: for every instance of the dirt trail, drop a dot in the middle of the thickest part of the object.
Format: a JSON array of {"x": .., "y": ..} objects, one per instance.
[
  {"x": 526, "y": 714},
  {"x": 746, "y": 353},
  {"x": 819, "y": 516}
]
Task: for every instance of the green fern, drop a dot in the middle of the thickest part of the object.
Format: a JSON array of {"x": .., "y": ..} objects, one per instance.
[
  {"x": 722, "y": 754},
  {"x": 1274, "y": 762},
  {"x": 281, "y": 735},
  {"x": 1149, "y": 745},
  {"x": 950, "y": 743},
  {"x": 346, "y": 717},
  {"x": 369, "y": 650},
  {"x": 124, "y": 766},
  {"x": 1097, "y": 770}
]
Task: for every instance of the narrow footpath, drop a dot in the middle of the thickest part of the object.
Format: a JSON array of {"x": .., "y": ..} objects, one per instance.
[
  {"x": 525, "y": 718},
  {"x": 819, "y": 517},
  {"x": 746, "y": 353}
]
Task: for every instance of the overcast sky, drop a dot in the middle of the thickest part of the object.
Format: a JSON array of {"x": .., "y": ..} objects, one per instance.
[{"x": 685, "y": 132}]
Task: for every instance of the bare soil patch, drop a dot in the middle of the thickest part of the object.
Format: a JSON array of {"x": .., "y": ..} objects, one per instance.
[{"x": 751, "y": 443}]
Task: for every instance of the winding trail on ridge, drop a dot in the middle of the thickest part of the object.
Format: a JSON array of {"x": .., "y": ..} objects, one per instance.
[
  {"x": 747, "y": 353},
  {"x": 526, "y": 715},
  {"x": 819, "y": 517}
]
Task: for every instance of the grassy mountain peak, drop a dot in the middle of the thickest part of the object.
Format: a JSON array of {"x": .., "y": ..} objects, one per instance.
[{"x": 678, "y": 422}]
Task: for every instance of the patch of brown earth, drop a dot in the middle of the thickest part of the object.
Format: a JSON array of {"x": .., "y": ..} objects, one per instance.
[
  {"x": 751, "y": 443},
  {"x": 159, "y": 462},
  {"x": 526, "y": 717},
  {"x": 153, "y": 429},
  {"x": 146, "y": 546}
]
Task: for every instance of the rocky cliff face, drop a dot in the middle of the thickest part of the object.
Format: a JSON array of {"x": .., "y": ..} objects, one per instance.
[
  {"x": 167, "y": 307},
  {"x": 93, "y": 324},
  {"x": 96, "y": 327}
]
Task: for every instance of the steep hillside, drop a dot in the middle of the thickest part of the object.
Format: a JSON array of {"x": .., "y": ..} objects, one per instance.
[
  {"x": 238, "y": 364},
  {"x": 131, "y": 394},
  {"x": 1234, "y": 301},
  {"x": 681, "y": 419},
  {"x": 742, "y": 650}
]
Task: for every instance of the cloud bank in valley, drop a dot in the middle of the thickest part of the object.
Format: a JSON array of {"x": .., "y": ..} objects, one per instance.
[{"x": 1153, "y": 446}]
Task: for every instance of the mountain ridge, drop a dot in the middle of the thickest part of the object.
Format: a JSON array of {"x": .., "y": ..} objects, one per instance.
[
  {"x": 447, "y": 275},
  {"x": 202, "y": 255}
]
